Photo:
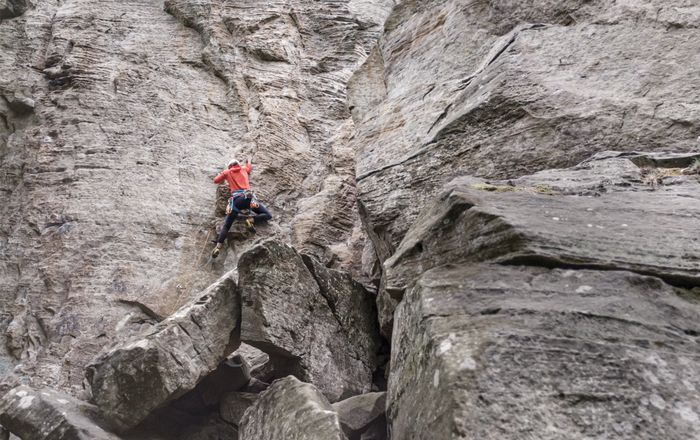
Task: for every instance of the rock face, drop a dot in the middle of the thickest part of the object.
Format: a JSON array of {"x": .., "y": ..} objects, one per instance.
[
  {"x": 105, "y": 185},
  {"x": 316, "y": 324},
  {"x": 427, "y": 149},
  {"x": 523, "y": 87},
  {"x": 131, "y": 108},
  {"x": 49, "y": 415},
  {"x": 291, "y": 410},
  {"x": 288, "y": 63},
  {"x": 131, "y": 380},
  {"x": 555, "y": 219},
  {"x": 554, "y": 353},
  {"x": 541, "y": 337}
]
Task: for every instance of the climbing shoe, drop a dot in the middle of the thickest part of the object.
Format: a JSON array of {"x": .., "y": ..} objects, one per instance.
[{"x": 217, "y": 250}]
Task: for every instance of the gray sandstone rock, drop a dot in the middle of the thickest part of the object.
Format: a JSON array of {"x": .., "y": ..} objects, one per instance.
[
  {"x": 524, "y": 86},
  {"x": 291, "y": 410},
  {"x": 363, "y": 417},
  {"x": 105, "y": 188},
  {"x": 316, "y": 330},
  {"x": 488, "y": 351},
  {"x": 288, "y": 64},
  {"x": 233, "y": 406},
  {"x": 554, "y": 218},
  {"x": 49, "y": 415},
  {"x": 135, "y": 378}
]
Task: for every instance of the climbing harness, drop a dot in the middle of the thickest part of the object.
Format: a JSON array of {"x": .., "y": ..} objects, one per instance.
[{"x": 247, "y": 194}]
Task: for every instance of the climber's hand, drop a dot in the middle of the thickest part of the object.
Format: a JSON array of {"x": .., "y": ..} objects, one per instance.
[
  {"x": 254, "y": 205},
  {"x": 228, "y": 209}
]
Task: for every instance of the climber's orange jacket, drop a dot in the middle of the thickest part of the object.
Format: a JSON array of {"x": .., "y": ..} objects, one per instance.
[{"x": 236, "y": 177}]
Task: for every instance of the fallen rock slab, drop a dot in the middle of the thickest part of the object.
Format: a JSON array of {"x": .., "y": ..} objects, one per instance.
[
  {"x": 291, "y": 410},
  {"x": 318, "y": 331},
  {"x": 49, "y": 415},
  {"x": 499, "y": 352},
  {"x": 562, "y": 218},
  {"x": 131, "y": 380},
  {"x": 363, "y": 417}
]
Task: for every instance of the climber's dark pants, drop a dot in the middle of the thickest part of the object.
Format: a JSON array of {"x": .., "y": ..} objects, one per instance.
[{"x": 261, "y": 215}]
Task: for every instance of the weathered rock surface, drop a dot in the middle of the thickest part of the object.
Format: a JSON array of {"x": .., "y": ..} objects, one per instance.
[
  {"x": 49, "y": 415},
  {"x": 516, "y": 352},
  {"x": 363, "y": 417},
  {"x": 288, "y": 64},
  {"x": 301, "y": 320},
  {"x": 502, "y": 89},
  {"x": 133, "y": 379},
  {"x": 597, "y": 215},
  {"x": 105, "y": 185},
  {"x": 291, "y": 410},
  {"x": 106, "y": 200},
  {"x": 234, "y": 405}
]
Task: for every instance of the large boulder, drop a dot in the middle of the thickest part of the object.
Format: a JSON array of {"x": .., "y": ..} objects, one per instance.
[
  {"x": 49, "y": 415},
  {"x": 314, "y": 325},
  {"x": 131, "y": 380},
  {"x": 291, "y": 410},
  {"x": 504, "y": 352},
  {"x": 599, "y": 214}
]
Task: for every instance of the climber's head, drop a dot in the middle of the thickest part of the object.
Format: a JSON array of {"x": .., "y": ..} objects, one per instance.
[{"x": 233, "y": 163}]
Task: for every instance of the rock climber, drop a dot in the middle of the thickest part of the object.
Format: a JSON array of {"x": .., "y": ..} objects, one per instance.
[{"x": 241, "y": 198}]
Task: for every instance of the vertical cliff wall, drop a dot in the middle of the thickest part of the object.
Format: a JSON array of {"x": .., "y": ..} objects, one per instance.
[
  {"x": 115, "y": 117},
  {"x": 519, "y": 180}
]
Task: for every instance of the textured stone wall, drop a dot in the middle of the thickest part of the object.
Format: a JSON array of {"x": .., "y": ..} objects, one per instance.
[{"x": 107, "y": 205}]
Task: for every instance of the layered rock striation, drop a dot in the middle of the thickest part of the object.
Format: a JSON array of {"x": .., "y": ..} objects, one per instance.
[{"x": 499, "y": 173}]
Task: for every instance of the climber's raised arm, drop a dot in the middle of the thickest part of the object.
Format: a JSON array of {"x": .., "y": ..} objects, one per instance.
[{"x": 220, "y": 178}]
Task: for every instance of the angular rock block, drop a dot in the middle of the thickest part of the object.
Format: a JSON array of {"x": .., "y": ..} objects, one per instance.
[
  {"x": 291, "y": 410},
  {"x": 49, "y": 415},
  {"x": 314, "y": 324},
  {"x": 488, "y": 351},
  {"x": 363, "y": 417},
  {"x": 612, "y": 223},
  {"x": 131, "y": 380}
]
